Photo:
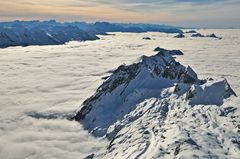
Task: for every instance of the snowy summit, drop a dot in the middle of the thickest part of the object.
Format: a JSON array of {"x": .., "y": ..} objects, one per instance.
[{"x": 158, "y": 108}]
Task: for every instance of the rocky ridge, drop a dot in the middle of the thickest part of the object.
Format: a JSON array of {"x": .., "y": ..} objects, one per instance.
[{"x": 160, "y": 108}]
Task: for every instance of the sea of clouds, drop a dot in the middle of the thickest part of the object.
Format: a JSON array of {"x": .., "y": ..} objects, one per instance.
[{"x": 41, "y": 86}]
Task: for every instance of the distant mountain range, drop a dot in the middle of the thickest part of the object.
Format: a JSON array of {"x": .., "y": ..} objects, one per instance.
[{"x": 25, "y": 33}]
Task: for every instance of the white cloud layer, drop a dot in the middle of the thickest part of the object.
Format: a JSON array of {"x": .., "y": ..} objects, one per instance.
[{"x": 56, "y": 79}]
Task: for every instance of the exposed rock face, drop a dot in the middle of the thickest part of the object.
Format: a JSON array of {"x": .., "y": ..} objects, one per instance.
[
  {"x": 180, "y": 35},
  {"x": 143, "y": 109},
  {"x": 171, "y": 52},
  {"x": 197, "y": 35},
  {"x": 213, "y": 36},
  {"x": 191, "y": 31},
  {"x": 146, "y": 38},
  {"x": 209, "y": 36}
]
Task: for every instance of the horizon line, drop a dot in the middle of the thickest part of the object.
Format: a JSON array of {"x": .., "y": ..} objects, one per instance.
[{"x": 116, "y": 22}]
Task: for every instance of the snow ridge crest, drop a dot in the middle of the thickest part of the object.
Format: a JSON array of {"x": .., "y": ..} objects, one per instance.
[{"x": 137, "y": 101}]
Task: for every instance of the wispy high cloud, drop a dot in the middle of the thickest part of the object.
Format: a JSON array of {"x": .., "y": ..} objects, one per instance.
[{"x": 178, "y": 12}]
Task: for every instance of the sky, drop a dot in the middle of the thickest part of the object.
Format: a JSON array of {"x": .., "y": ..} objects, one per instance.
[{"x": 186, "y": 13}]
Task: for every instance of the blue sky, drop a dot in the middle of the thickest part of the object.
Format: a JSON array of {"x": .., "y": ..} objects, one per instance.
[{"x": 189, "y": 13}]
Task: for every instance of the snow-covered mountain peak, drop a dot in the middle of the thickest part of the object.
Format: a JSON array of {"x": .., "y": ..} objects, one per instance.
[
  {"x": 134, "y": 104},
  {"x": 157, "y": 71}
]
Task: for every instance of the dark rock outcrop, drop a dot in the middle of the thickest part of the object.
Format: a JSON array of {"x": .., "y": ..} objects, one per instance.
[
  {"x": 209, "y": 36},
  {"x": 213, "y": 36},
  {"x": 180, "y": 35},
  {"x": 191, "y": 31},
  {"x": 197, "y": 35},
  {"x": 146, "y": 38},
  {"x": 171, "y": 52}
]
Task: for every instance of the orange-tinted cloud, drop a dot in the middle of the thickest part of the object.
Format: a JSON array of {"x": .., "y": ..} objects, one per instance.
[
  {"x": 177, "y": 12},
  {"x": 88, "y": 12}
]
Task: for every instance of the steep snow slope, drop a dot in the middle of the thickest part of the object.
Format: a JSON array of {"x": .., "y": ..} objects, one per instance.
[{"x": 152, "y": 109}]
